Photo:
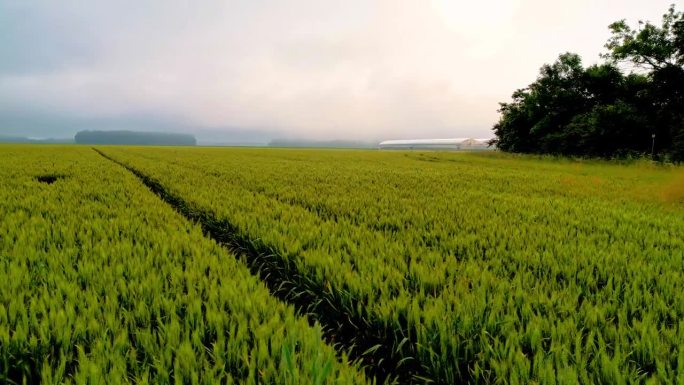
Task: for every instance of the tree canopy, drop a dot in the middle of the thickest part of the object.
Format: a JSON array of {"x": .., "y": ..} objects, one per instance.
[{"x": 603, "y": 110}]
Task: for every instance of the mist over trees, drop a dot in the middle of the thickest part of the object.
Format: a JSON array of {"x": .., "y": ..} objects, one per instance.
[
  {"x": 23, "y": 139},
  {"x": 605, "y": 110},
  {"x": 134, "y": 138}
]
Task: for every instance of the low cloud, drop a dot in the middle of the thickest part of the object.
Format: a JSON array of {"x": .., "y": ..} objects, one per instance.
[{"x": 318, "y": 69}]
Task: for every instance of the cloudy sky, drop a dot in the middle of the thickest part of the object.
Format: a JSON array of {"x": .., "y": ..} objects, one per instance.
[{"x": 260, "y": 69}]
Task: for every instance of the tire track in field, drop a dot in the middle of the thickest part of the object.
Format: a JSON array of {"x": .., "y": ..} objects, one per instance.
[
  {"x": 381, "y": 350},
  {"x": 413, "y": 286}
]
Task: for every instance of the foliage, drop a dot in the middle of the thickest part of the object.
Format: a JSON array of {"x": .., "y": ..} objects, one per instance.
[
  {"x": 599, "y": 111},
  {"x": 649, "y": 45}
]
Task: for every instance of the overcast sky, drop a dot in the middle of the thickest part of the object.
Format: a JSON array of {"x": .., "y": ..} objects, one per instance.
[{"x": 352, "y": 69}]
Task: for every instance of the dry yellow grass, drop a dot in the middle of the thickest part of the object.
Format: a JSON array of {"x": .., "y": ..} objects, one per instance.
[{"x": 674, "y": 192}]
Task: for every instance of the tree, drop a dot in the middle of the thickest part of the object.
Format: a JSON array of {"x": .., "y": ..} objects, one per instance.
[
  {"x": 600, "y": 111},
  {"x": 539, "y": 112},
  {"x": 660, "y": 50},
  {"x": 558, "y": 113},
  {"x": 648, "y": 45}
]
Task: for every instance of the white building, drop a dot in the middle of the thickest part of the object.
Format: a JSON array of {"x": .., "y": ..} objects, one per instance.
[{"x": 436, "y": 144}]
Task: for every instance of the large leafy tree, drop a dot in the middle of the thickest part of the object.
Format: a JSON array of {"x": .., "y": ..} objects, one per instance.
[
  {"x": 648, "y": 45},
  {"x": 563, "y": 111},
  {"x": 540, "y": 110},
  {"x": 660, "y": 51},
  {"x": 600, "y": 111}
]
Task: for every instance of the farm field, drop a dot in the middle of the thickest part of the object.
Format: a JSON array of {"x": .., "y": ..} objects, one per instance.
[
  {"x": 103, "y": 283},
  {"x": 411, "y": 267}
]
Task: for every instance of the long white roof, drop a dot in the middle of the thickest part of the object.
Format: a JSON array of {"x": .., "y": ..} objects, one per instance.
[{"x": 453, "y": 141}]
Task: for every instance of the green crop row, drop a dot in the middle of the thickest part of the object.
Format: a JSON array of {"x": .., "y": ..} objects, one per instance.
[
  {"x": 102, "y": 282},
  {"x": 475, "y": 269}
]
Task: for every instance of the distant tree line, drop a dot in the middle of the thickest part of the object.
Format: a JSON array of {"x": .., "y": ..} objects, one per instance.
[
  {"x": 135, "y": 138},
  {"x": 604, "y": 110}
]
